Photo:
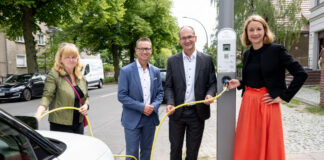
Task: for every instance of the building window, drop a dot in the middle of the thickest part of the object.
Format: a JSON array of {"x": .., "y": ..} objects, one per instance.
[
  {"x": 41, "y": 39},
  {"x": 21, "y": 60},
  {"x": 20, "y": 39}
]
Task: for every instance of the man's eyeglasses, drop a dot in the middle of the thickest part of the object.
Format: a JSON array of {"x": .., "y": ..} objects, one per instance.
[
  {"x": 187, "y": 38},
  {"x": 144, "y": 49}
]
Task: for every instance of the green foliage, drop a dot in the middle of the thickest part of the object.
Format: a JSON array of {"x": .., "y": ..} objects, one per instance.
[
  {"x": 281, "y": 18},
  {"x": 160, "y": 59},
  {"x": 315, "y": 109},
  {"x": 212, "y": 50},
  {"x": 112, "y": 27},
  {"x": 108, "y": 67},
  {"x": 23, "y": 17},
  {"x": 296, "y": 102},
  {"x": 109, "y": 80}
]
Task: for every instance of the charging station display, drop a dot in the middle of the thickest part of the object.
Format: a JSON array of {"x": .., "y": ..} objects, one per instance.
[{"x": 226, "y": 54}]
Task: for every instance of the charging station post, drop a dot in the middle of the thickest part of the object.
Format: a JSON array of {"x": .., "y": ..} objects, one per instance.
[{"x": 226, "y": 104}]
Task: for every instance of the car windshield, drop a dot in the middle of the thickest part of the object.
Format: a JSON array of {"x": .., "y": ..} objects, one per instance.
[
  {"x": 163, "y": 75},
  {"x": 18, "y": 78}
]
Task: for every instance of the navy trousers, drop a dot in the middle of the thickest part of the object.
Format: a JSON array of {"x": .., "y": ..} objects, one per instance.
[{"x": 140, "y": 138}]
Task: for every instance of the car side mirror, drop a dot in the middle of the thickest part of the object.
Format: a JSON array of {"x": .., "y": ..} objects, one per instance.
[{"x": 30, "y": 121}]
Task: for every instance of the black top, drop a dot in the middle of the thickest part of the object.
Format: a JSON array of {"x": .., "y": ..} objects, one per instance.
[
  {"x": 254, "y": 77},
  {"x": 76, "y": 114},
  {"x": 274, "y": 61}
]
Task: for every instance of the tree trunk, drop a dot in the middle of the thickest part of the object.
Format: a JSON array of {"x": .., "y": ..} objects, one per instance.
[
  {"x": 132, "y": 52},
  {"x": 30, "y": 46},
  {"x": 116, "y": 61}
]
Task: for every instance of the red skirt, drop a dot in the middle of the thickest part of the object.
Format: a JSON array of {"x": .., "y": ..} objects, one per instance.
[{"x": 259, "y": 134}]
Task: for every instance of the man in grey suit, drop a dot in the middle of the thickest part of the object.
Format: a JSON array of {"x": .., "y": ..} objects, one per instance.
[
  {"x": 190, "y": 77},
  {"x": 141, "y": 93}
]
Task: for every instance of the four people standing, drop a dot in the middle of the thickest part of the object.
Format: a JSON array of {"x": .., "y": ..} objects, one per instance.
[
  {"x": 259, "y": 133},
  {"x": 190, "y": 77},
  {"x": 141, "y": 93}
]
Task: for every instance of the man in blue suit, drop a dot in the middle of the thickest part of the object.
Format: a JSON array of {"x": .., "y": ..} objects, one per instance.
[{"x": 141, "y": 93}]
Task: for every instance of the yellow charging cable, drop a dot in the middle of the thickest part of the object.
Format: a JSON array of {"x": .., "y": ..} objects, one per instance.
[
  {"x": 115, "y": 155},
  {"x": 61, "y": 108},
  {"x": 177, "y": 107},
  {"x": 157, "y": 130},
  {"x": 86, "y": 117}
]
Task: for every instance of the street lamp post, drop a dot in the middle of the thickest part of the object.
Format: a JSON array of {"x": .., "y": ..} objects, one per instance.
[{"x": 203, "y": 27}]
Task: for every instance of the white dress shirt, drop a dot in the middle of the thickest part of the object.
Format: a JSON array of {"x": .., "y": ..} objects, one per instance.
[
  {"x": 145, "y": 82},
  {"x": 189, "y": 64}
]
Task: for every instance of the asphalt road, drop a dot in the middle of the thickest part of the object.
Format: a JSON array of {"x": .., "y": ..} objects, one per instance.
[{"x": 104, "y": 115}]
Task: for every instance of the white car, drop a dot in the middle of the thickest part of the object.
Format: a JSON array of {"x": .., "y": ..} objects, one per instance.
[
  {"x": 93, "y": 72},
  {"x": 20, "y": 142}
]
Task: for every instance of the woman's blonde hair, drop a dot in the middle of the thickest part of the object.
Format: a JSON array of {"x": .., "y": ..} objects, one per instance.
[
  {"x": 268, "y": 35},
  {"x": 65, "y": 50}
]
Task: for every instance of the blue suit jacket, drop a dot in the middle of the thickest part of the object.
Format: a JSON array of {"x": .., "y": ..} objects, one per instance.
[{"x": 130, "y": 94}]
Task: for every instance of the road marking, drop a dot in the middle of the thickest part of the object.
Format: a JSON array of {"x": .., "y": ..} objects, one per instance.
[{"x": 110, "y": 94}]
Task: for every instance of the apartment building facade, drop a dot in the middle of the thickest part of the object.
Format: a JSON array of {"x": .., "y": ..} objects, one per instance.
[
  {"x": 13, "y": 59},
  {"x": 316, "y": 30}
]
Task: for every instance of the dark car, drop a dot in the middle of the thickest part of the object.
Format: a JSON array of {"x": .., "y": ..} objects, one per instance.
[
  {"x": 22, "y": 86},
  {"x": 163, "y": 78}
]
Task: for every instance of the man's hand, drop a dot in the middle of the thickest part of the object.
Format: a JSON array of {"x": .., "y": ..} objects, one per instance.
[
  {"x": 170, "y": 109},
  {"x": 210, "y": 101},
  {"x": 148, "y": 109}
]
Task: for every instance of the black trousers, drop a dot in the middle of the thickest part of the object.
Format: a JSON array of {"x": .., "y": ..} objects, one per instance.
[
  {"x": 76, "y": 128},
  {"x": 193, "y": 126}
]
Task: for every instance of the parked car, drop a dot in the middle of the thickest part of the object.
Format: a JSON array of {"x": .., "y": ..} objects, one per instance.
[
  {"x": 21, "y": 142},
  {"x": 23, "y": 86},
  {"x": 93, "y": 72},
  {"x": 163, "y": 78}
]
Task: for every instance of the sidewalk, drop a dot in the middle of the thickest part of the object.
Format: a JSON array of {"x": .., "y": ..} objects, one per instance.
[
  {"x": 311, "y": 132},
  {"x": 303, "y": 132}
]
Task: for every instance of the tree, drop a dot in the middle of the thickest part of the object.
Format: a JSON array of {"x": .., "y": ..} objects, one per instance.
[
  {"x": 115, "y": 25},
  {"x": 281, "y": 15},
  {"x": 100, "y": 29},
  {"x": 22, "y": 17}
]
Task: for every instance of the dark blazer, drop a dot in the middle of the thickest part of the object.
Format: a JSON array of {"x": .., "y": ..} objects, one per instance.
[
  {"x": 130, "y": 94},
  {"x": 205, "y": 83},
  {"x": 274, "y": 62}
]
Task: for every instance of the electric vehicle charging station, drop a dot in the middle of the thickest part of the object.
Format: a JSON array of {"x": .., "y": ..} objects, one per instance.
[{"x": 226, "y": 104}]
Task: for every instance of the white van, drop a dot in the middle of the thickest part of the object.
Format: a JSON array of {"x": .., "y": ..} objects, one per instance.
[{"x": 93, "y": 71}]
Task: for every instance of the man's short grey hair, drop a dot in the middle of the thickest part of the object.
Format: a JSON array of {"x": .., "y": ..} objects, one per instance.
[{"x": 193, "y": 30}]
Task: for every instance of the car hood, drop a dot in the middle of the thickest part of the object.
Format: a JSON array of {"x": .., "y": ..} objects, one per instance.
[
  {"x": 10, "y": 85},
  {"x": 80, "y": 147}
]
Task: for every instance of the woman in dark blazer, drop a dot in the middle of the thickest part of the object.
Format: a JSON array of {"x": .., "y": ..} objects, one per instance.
[{"x": 259, "y": 133}]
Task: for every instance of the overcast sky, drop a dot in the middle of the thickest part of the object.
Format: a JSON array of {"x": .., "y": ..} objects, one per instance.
[{"x": 200, "y": 10}]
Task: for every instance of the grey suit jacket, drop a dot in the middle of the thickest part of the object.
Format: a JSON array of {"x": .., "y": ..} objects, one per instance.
[{"x": 205, "y": 83}]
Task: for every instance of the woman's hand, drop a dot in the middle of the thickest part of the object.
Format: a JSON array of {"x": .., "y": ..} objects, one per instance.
[
  {"x": 40, "y": 110},
  {"x": 268, "y": 100},
  {"x": 233, "y": 83},
  {"x": 84, "y": 109}
]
